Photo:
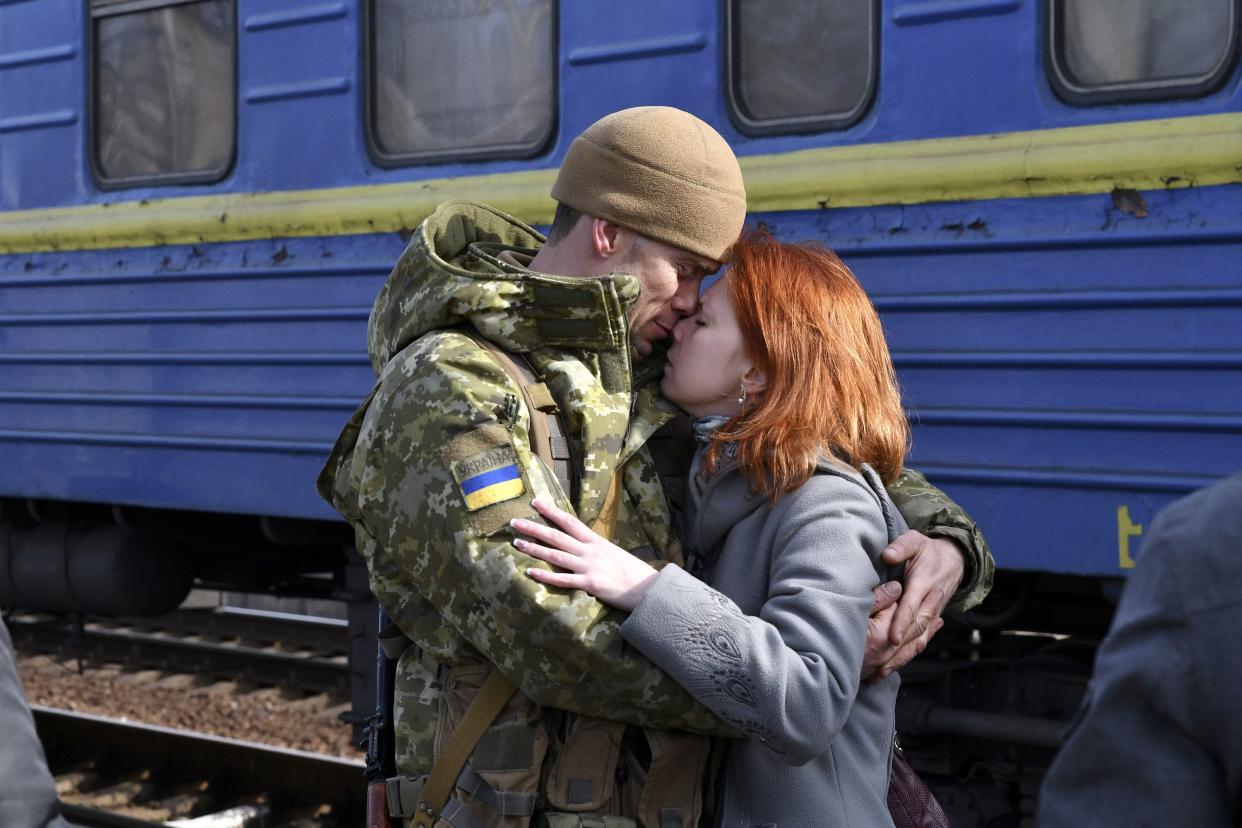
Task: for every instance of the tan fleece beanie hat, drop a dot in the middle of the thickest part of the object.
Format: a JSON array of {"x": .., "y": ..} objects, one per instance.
[{"x": 661, "y": 172}]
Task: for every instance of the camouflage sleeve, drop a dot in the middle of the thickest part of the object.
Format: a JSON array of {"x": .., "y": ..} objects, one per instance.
[
  {"x": 443, "y": 465},
  {"x": 931, "y": 511}
]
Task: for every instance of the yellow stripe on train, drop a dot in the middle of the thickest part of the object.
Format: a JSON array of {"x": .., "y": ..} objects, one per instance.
[{"x": 1175, "y": 152}]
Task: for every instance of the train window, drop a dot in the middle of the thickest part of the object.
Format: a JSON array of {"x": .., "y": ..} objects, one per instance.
[
  {"x": 163, "y": 90},
  {"x": 454, "y": 80},
  {"x": 800, "y": 65},
  {"x": 1107, "y": 51}
]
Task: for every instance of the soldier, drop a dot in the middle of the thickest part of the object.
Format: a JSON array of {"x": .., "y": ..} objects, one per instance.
[{"x": 439, "y": 458}]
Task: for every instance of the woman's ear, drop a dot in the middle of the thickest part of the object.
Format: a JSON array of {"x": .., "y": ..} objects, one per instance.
[{"x": 755, "y": 380}]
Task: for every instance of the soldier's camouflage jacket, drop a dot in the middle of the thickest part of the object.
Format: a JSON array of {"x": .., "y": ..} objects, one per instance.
[{"x": 437, "y": 460}]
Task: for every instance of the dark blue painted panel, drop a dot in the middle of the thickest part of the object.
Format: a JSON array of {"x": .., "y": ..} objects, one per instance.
[
  {"x": 1059, "y": 528},
  {"x": 1062, "y": 357},
  {"x": 275, "y": 480},
  {"x": 42, "y": 103},
  {"x": 282, "y": 374},
  {"x": 1114, "y": 452},
  {"x": 947, "y": 93},
  {"x": 616, "y": 55},
  {"x": 237, "y": 263},
  {"x": 992, "y": 231},
  {"x": 258, "y": 416},
  {"x": 299, "y": 93},
  {"x": 1048, "y": 386},
  {"x": 264, "y": 333},
  {"x": 1140, "y": 329},
  {"x": 1069, "y": 371},
  {"x": 301, "y": 89},
  {"x": 1059, "y": 357},
  {"x": 332, "y": 287}
]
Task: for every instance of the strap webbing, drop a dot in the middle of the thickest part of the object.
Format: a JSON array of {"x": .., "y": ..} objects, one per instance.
[
  {"x": 606, "y": 523},
  {"x": 547, "y": 433},
  {"x": 551, "y": 445},
  {"x": 403, "y": 793},
  {"x": 483, "y": 710},
  {"x": 505, "y": 803},
  {"x": 392, "y": 641}
]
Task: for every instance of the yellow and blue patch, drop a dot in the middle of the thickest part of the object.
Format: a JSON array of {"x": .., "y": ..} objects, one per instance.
[
  {"x": 485, "y": 468},
  {"x": 492, "y": 486}
]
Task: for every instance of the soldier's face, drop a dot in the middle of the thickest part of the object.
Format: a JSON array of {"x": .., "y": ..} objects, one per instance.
[
  {"x": 670, "y": 279},
  {"x": 707, "y": 361}
]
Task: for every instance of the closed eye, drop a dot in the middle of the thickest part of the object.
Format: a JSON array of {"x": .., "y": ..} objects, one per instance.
[{"x": 694, "y": 270}]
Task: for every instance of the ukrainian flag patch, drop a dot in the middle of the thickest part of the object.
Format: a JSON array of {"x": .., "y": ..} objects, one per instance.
[
  {"x": 489, "y": 477},
  {"x": 491, "y": 487}
]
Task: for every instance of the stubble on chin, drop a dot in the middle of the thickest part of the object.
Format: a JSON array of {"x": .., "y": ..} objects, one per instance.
[
  {"x": 639, "y": 347},
  {"x": 643, "y": 339}
]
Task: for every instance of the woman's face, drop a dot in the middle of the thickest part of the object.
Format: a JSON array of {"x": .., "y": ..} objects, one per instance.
[{"x": 707, "y": 362}]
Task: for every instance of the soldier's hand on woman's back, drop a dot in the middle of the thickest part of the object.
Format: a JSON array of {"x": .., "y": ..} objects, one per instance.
[
  {"x": 904, "y": 618},
  {"x": 882, "y": 657},
  {"x": 879, "y": 651}
]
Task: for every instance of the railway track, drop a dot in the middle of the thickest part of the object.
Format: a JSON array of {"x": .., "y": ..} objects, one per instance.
[
  {"x": 261, "y": 648},
  {"x": 117, "y": 773}
]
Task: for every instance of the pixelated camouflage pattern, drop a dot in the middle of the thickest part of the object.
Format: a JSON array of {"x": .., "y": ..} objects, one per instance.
[
  {"x": 450, "y": 578},
  {"x": 930, "y": 511}
]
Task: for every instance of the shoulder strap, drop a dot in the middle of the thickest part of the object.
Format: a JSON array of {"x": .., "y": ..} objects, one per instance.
[
  {"x": 547, "y": 432},
  {"x": 479, "y": 715}
]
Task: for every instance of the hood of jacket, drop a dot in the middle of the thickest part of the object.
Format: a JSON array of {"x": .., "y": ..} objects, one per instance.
[{"x": 466, "y": 264}]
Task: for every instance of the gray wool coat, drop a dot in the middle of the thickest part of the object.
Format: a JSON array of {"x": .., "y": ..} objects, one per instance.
[{"x": 772, "y": 640}]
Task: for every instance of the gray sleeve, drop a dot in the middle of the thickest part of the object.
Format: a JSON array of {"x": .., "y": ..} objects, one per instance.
[
  {"x": 27, "y": 793},
  {"x": 1139, "y": 752},
  {"x": 788, "y": 677}
]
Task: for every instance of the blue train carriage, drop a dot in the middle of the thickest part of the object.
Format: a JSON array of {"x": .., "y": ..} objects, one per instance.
[{"x": 202, "y": 197}]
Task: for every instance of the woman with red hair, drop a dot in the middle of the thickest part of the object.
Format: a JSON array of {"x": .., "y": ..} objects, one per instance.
[{"x": 799, "y": 421}]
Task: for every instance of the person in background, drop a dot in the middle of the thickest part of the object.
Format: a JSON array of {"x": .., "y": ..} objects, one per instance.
[
  {"x": 1158, "y": 739},
  {"x": 27, "y": 792}
]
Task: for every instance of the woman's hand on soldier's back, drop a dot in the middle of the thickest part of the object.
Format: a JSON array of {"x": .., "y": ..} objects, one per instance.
[{"x": 584, "y": 559}]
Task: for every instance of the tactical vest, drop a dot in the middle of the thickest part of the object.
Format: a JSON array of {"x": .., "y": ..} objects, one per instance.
[{"x": 501, "y": 760}]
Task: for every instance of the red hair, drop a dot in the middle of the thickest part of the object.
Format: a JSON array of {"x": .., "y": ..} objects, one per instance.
[{"x": 809, "y": 327}]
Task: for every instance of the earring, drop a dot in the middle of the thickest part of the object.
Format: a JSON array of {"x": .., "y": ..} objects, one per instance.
[{"x": 741, "y": 399}]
